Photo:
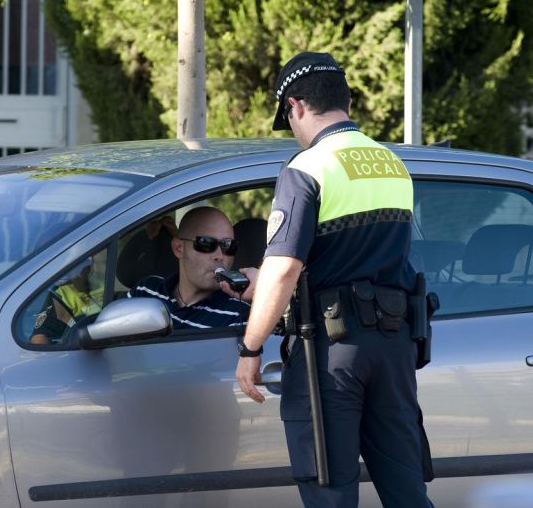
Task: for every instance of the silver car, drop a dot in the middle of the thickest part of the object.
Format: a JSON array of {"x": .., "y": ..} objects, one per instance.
[{"x": 115, "y": 411}]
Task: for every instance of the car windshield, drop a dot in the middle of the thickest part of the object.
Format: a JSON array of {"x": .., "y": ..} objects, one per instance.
[{"x": 38, "y": 205}]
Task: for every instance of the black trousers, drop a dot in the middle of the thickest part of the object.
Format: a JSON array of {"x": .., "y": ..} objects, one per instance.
[{"x": 370, "y": 408}]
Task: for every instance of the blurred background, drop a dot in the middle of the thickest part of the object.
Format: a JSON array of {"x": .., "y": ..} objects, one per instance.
[
  {"x": 78, "y": 71},
  {"x": 512, "y": 493}
]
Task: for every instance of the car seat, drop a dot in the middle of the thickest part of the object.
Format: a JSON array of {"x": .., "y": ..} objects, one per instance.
[
  {"x": 251, "y": 235},
  {"x": 142, "y": 256},
  {"x": 433, "y": 256},
  {"x": 492, "y": 251},
  {"x": 437, "y": 259}
]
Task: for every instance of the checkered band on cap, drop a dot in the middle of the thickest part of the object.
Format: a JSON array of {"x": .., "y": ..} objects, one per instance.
[
  {"x": 364, "y": 219},
  {"x": 290, "y": 78}
]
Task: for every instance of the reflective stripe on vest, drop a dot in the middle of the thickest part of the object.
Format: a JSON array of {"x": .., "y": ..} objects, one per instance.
[{"x": 357, "y": 175}]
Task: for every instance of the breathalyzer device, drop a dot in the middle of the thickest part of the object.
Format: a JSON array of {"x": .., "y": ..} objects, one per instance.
[{"x": 236, "y": 280}]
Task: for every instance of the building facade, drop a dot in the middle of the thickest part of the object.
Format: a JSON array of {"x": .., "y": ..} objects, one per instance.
[{"x": 40, "y": 105}]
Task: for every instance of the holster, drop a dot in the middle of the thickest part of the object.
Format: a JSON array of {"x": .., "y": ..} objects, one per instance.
[
  {"x": 422, "y": 306},
  {"x": 424, "y": 346}
]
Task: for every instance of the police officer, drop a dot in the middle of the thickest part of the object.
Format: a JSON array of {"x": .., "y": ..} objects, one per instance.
[{"x": 343, "y": 208}]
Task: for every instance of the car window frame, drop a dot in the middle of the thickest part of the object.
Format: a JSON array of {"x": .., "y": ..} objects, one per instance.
[
  {"x": 251, "y": 178},
  {"x": 111, "y": 244}
]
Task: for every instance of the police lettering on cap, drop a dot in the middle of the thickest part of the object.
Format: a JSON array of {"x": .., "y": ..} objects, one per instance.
[{"x": 297, "y": 67}]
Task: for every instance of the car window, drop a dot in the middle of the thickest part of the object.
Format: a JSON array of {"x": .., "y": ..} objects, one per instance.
[
  {"x": 73, "y": 297},
  {"x": 77, "y": 295},
  {"x": 474, "y": 242},
  {"x": 39, "y": 205},
  {"x": 146, "y": 250},
  {"x": 148, "y": 267}
]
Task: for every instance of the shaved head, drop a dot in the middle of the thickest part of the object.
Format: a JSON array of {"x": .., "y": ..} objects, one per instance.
[
  {"x": 196, "y": 219},
  {"x": 196, "y": 267}
]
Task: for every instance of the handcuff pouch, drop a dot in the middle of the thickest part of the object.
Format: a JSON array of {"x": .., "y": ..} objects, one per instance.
[
  {"x": 391, "y": 309},
  {"x": 364, "y": 294}
]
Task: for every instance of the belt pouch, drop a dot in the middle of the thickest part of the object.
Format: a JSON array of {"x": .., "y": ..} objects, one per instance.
[
  {"x": 363, "y": 292},
  {"x": 334, "y": 314},
  {"x": 391, "y": 309}
]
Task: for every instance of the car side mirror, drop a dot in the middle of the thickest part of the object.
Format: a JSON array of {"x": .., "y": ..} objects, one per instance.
[{"x": 123, "y": 322}]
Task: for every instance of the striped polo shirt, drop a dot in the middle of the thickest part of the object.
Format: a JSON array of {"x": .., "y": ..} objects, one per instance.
[{"x": 217, "y": 310}]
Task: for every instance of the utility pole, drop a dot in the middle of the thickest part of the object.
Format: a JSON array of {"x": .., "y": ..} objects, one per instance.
[
  {"x": 413, "y": 72},
  {"x": 191, "y": 70}
]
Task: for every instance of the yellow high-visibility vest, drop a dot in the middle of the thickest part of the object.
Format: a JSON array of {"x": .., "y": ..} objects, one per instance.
[{"x": 356, "y": 174}]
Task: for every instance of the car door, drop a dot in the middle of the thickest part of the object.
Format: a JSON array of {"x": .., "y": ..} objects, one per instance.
[
  {"x": 156, "y": 424},
  {"x": 474, "y": 237}
]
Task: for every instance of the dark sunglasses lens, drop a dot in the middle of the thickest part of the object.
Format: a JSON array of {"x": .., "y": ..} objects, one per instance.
[
  {"x": 286, "y": 113},
  {"x": 208, "y": 244},
  {"x": 228, "y": 246},
  {"x": 205, "y": 244}
]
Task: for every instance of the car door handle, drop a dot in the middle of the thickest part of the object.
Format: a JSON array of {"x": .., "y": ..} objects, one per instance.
[
  {"x": 529, "y": 361},
  {"x": 271, "y": 374},
  {"x": 269, "y": 377}
]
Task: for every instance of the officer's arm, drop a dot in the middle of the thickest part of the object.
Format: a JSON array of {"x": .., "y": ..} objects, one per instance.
[{"x": 277, "y": 278}]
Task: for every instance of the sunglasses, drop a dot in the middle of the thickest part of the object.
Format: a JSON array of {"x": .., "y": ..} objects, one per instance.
[{"x": 208, "y": 244}]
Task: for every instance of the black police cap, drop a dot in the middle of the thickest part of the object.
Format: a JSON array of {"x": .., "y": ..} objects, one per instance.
[{"x": 297, "y": 67}]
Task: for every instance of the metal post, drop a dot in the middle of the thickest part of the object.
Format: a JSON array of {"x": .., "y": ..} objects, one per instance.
[
  {"x": 413, "y": 72},
  {"x": 5, "y": 56},
  {"x": 40, "y": 53},
  {"x": 23, "y": 45},
  {"x": 191, "y": 70}
]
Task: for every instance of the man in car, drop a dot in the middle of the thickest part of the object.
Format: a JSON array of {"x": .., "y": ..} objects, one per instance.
[{"x": 203, "y": 243}]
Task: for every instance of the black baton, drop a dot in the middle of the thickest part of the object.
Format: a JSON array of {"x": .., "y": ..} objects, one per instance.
[{"x": 307, "y": 333}]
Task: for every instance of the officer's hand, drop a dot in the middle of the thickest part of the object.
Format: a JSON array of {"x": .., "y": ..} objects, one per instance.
[
  {"x": 251, "y": 273},
  {"x": 247, "y": 375}
]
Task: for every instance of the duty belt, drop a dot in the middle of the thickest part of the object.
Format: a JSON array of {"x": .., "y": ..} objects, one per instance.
[{"x": 376, "y": 307}]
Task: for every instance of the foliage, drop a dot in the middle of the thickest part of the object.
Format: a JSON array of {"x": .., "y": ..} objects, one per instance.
[
  {"x": 477, "y": 57},
  {"x": 477, "y": 72},
  {"x": 113, "y": 69},
  {"x": 241, "y": 205}
]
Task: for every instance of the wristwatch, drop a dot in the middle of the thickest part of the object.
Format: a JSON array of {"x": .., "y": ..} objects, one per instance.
[{"x": 244, "y": 352}]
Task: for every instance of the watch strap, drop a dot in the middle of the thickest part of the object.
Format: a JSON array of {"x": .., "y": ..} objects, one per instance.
[{"x": 244, "y": 352}]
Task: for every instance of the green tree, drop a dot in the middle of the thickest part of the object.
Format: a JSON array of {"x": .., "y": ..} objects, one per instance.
[
  {"x": 477, "y": 72},
  {"x": 114, "y": 50},
  {"x": 477, "y": 57}
]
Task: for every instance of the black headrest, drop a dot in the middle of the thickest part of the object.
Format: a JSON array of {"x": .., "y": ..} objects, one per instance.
[
  {"x": 492, "y": 250},
  {"x": 251, "y": 235},
  {"x": 141, "y": 257},
  {"x": 437, "y": 254}
]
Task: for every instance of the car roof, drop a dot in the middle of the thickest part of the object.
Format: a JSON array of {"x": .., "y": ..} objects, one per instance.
[
  {"x": 150, "y": 157},
  {"x": 158, "y": 158}
]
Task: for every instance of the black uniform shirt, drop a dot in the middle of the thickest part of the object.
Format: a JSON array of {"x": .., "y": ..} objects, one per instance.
[
  {"x": 375, "y": 250},
  {"x": 219, "y": 309}
]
